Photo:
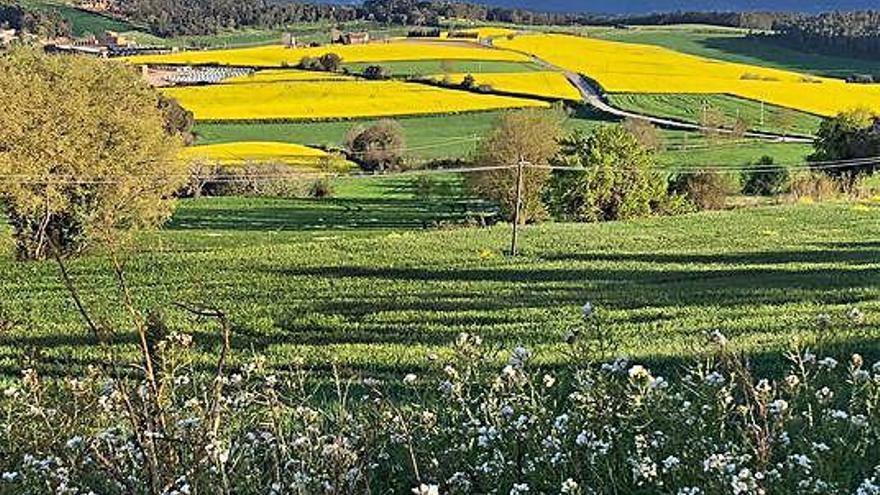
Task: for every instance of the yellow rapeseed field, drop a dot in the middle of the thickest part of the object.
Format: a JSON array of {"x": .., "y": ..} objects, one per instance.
[
  {"x": 256, "y": 152},
  {"x": 308, "y": 100},
  {"x": 635, "y": 68},
  {"x": 544, "y": 83},
  {"x": 286, "y": 75},
  {"x": 490, "y": 31},
  {"x": 278, "y": 55}
]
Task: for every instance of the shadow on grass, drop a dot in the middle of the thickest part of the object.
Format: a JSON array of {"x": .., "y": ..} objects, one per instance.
[
  {"x": 781, "y": 55},
  {"x": 330, "y": 214}
]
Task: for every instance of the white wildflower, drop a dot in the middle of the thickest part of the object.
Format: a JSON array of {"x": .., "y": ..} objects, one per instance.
[
  {"x": 671, "y": 462},
  {"x": 519, "y": 357},
  {"x": 639, "y": 372},
  {"x": 549, "y": 381},
  {"x": 519, "y": 488},
  {"x": 426, "y": 489},
  {"x": 715, "y": 379},
  {"x": 855, "y": 315},
  {"x": 587, "y": 310},
  {"x": 828, "y": 362},
  {"x": 10, "y": 476},
  {"x": 777, "y": 407},
  {"x": 409, "y": 379},
  {"x": 824, "y": 395},
  {"x": 569, "y": 486}
]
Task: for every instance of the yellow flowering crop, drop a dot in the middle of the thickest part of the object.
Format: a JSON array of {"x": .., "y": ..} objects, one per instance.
[
  {"x": 257, "y": 152},
  {"x": 490, "y": 31},
  {"x": 278, "y": 55},
  {"x": 545, "y": 84},
  {"x": 636, "y": 68},
  {"x": 309, "y": 100},
  {"x": 287, "y": 75}
]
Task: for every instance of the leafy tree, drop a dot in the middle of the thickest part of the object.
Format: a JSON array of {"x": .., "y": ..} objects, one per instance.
[
  {"x": 645, "y": 133},
  {"x": 376, "y": 72},
  {"x": 330, "y": 62},
  {"x": 705, "y": 189},
  {"x": 613, "y": 177},
  {"x": 529, "y": 135},
  {"x": 469, "y": 82},
  {"x": 379, "y": 147},
  {"x": 89, "y": 150},
  {"x": 178, "y": 120},
  {"x": 849, "y": 135},
  {"x": 765, "y": 178}
]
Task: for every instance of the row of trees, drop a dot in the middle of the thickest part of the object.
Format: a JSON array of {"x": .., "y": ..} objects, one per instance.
[
  {"x": 851, "y": 34},
  {"x": 181, "y": 17}
]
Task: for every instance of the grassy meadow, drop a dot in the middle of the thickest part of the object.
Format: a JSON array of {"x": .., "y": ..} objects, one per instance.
[
  {"x": 457, "y": 136},
  {"x": 689, "y": 107},
  {"x": 359, "y": 281}
]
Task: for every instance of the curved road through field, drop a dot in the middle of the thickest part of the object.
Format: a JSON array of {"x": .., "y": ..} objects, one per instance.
[
  {"x": 591, "y": 96},
  {"x": 595, "y": 99}
]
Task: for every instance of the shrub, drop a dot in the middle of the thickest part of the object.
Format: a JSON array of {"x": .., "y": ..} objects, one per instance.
[
  {"x": 530, "y": 135},
  {"x": 255, "y": 179},
  {"x": 321, "y": 188},
  {"x": 850, "y": 135},
  {"x": 612, "y": 177},
  {"x": 469, "y": 82},
  {"x": 376, "y": 72},
  {"x": 99, "y": 155},
  {"x": 328, "y": 62},
  {"x": 813, "y": 186},
  {"x": 706, "y": 190},
  {"x": 645, "y": 133},
  {"x": 765, "y": 178},
  {"x": 377, "y": 148}
]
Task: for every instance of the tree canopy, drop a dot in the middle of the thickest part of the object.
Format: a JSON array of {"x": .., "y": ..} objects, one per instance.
[{"x": 86, "y": 154}]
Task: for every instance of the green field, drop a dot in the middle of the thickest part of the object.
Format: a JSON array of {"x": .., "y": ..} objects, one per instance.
[
  {"x": 81, "y": 22},
  {"x": 432, "y": 67},
  {"x": 457, "y": 136},
  {"x": 688, "y": 108},
  {"x": 735, "y": 46},
  {"x": 358, "y": 281}
]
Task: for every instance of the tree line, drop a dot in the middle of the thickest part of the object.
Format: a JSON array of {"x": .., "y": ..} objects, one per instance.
[
  {"x": 189, "y": 17},
  {"x": 851, "y": 34}
]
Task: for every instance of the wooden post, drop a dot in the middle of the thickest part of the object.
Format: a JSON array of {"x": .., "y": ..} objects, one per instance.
[{"x": 517, "y": 206}]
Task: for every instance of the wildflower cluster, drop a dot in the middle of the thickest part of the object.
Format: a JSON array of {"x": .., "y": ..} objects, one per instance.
[{"x": 486, "y": 421}]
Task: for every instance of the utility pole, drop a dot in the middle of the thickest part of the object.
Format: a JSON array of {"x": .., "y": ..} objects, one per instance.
[{"x": 517, "y": 206}]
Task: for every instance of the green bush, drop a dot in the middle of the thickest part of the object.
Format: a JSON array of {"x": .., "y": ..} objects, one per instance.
[
  {"x": 705, "y": 190},
  {"x": 765, "y": 178},
  {"x": 612, "y": 177}
]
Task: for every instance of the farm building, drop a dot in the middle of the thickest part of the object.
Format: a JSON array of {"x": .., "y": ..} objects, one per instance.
[
  {"x": 350, "y": 37},
  {"x": 288, "y": 40}
]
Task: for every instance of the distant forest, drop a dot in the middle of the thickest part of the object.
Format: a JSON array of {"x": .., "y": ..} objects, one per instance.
[
  {"x": 855, "y": 34},
  {"x": 852, "y": 34},
  {"x": 181, "y": 17}
]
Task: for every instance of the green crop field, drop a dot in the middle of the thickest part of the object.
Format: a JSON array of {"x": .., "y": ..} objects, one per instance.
[
  {"x": 688, "y": 108},
  {"x": 457, "y": 136},
  {"x": 358, "y": 281},
  {"x": 432, "y": 67}
]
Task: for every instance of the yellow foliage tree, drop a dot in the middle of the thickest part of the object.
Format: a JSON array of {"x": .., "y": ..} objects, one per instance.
[{"x": 85, "y": 155}]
